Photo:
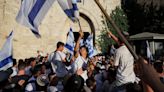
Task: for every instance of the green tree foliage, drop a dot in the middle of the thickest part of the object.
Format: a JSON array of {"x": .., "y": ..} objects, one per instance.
[
  {"x": 120, "y": 19},
  {"x": 144, "y": 15}
]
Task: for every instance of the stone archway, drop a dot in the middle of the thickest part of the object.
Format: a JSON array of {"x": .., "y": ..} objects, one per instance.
[{"x": 86, "y": 24}]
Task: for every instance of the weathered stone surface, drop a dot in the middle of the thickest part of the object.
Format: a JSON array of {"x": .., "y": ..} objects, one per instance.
[{"x": 53, "y": 28}]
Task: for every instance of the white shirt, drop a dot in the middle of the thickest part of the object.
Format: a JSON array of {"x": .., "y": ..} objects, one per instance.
[
  {"x": 78, "y": 64},
  {"x": 52, "y": 89},
  {"x": 124, "y": 60},
  {"x": 30, "y": 86},
  {"x": 15, "y": 71},
  {"x": 61, "y": 70}
]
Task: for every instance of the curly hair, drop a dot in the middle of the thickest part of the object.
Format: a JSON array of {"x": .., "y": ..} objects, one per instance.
[{"x": 144, "y": 15}]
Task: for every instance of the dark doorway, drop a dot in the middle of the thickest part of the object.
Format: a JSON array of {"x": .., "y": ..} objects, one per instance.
[
  {"x": 90, "y": 24},
  {"x": 76, "y": 35}
]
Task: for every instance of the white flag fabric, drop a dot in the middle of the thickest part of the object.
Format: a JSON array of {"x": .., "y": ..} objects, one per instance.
[
  {"x": 89, "y": 44},
  {"x": 6, "y": 54},
  {"x": 82, "y": 42},
  {"x": 70, "y": 8},
  {"x": 32, "y": 13},
  {"x": 70, "y": 42},
  {"x": 149, "y": 54}
]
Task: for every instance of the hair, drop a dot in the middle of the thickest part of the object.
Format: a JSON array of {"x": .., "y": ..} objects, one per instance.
[
  {"x": 32, "y": 59},
  {"x": 41, "y": 59},
  {"x": 36, "y": 69},
  {"x": 144, "y": 15},
  {"x": 90, "y": 82},
  {"x": 20, "y": 61},
  {"x": 158, "y": 67},
  {"x": 85, "y": 48},
  {"x": 14, "y": 62},
  {"x": 74, "y": 84},
  {"x": 21, "y": 66},
  {"x": 60, "y": 44},
  {"x": 27, "y": 61}
]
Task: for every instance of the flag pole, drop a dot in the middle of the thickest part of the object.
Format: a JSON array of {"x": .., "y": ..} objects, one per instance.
[
  {"x": 79, "y": 24},
  {"x": 117, "y": 30}
]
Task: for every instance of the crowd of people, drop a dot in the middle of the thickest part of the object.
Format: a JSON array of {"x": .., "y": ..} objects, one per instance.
[{"x": 60, "y": 72}]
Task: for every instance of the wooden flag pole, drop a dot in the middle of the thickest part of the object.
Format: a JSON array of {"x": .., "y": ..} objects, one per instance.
[
  {"x": 79, "y": 24},
  {"x": 117, "y": 30}
]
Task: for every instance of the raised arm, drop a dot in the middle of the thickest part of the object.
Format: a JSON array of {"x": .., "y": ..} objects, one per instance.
[
  {"x": 148, "y": 74},
  {"x": 113, "y": 37},
  {"x": 77, "y": 46}
]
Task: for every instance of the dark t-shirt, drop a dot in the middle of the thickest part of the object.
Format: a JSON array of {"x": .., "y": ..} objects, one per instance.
[{"x": 16, "y": 79}]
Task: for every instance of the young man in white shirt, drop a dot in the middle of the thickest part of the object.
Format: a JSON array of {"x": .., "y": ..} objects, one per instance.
[
  {"x": 58, "y": 60},
  {"x": 123, "y": 62},
  {"x": 81, "y": 58}
]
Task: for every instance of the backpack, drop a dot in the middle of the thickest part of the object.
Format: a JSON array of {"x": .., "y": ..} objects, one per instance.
[
  {"x": 38, "y": 87},
  {"x": 18, "y": 88}
]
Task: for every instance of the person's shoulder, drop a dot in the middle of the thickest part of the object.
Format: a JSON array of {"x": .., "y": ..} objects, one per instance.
[
  {"x": 31, "y": 79},
  {"x": 78, "y": 58},
  {"x": 29, "y": 87},
  {"x": 25, "y": 77},
  {"x": 122, "y": 48}
]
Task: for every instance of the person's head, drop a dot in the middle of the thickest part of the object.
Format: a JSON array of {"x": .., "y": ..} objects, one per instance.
[
  {"x": 27, "y": 61},
  {"x": 32, "y": 61},
  {"x": 20, "y": 61},
  {"x": 41, "y": 59},
  {"x": 14, "y": 62},
  {"x": 43, "y": 68},
  {"x": 74, "y": 84},
  {"x": 36, "y": 71},
  {"x": 83, "y": 51},
  {"x": 60, "y": 46},
  {"x": 21, "y": 66},
  {"x": 91, "y": 83},
  {"x": 158, "y": 67}
]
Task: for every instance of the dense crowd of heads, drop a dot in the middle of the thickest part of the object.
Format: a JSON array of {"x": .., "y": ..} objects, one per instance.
[{"x": 100, "y": 69}]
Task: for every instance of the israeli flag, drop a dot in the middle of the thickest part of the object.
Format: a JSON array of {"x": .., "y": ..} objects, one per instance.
[
  {"x": 6, "y": 54},
  {"x": 89, "y": 44},
  {"x": 70, "y": 8},
  {"x": 78, "y": 0},
  {"x": 32, "y": 13},
  {"x": 82, "y": 42},
  {"x": 149, "y": 54},
  {"x": 70, "y": 42}
]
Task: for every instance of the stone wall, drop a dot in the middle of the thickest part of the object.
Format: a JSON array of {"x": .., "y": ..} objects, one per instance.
[{"x": 53, "y": 28}]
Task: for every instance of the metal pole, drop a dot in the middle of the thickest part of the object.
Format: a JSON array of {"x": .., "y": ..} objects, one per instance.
[{"x": 117, "y": 30}]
